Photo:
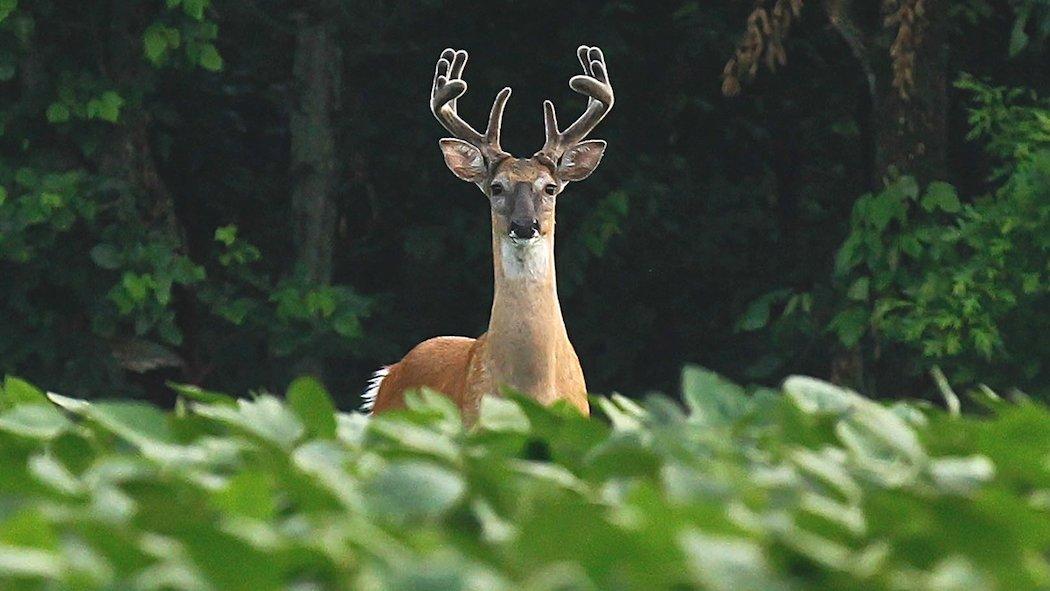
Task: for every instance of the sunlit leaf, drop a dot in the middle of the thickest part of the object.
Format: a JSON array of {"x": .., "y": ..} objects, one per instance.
[
  {"x": 16, "y": 391},
  {"x": 34, "y": 420},
  {"x": 412, "y": 490}
]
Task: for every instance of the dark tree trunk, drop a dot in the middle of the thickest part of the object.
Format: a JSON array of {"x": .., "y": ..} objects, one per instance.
[
  {"x": 315, "y": 164},
  {"x": 127, "y": 154},
  {"x": 907, "y": 134},
  {"x": 911, "y": 134}
]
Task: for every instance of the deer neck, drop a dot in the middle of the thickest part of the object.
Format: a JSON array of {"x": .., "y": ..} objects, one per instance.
[{"x": 526, "y": 326}]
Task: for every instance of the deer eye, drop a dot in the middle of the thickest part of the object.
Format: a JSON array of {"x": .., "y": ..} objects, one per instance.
[
  {"x": 550, "y": 189},
  {"x": 496, "y": 188}
]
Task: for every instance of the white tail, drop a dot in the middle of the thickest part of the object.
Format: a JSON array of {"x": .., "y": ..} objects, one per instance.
[{"x": 368, "y": 399}]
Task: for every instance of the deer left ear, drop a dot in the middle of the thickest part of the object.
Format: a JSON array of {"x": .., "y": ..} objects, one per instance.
[
  {"x": 579, "y": 161},
  {"x": 464, "y": 160}
]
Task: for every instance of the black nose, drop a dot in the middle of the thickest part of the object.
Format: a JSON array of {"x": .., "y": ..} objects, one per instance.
[{"x": 526, "y": 229}]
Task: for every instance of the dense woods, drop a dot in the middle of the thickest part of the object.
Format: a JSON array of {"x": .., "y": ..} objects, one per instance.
[{"x": 230, "y": 194}]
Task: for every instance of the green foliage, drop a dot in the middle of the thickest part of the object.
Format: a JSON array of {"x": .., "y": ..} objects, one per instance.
[
  {"x": 195, "y": 36},
  {"x": 1031, "y": 25},
  {"x": 964, "y": 282},
  {"x": 1013, "y": 123},
  {"x": 102, "y": 272},
  {"x": 815, "y": 487}
]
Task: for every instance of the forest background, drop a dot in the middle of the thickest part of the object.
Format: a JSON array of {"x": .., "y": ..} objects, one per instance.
[{"x": 233, "y": 193}]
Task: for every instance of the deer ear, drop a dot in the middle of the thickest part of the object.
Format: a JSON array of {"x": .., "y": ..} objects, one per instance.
[
  {"x": 579, "y": 161},
  {"x": 464, "y": 160}
]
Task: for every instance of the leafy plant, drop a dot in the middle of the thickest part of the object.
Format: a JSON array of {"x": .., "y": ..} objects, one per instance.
[
  {"x": 102, "y": 271},
  {"x": 812, "y": 487},
  {"x": 962, "y": 281}
]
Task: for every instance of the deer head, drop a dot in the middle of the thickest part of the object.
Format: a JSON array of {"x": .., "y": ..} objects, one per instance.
[{"x": 522, "y": 191}]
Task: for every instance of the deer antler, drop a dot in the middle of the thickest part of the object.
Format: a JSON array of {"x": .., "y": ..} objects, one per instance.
[
  {"x": 448, "y": 87},
  {"x": 595, "y": 84}
]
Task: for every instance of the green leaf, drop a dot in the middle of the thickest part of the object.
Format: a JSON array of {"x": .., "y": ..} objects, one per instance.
[
  {"x": 711, "y": 398},
  {"x": 411, "y": 491},
  {"x": 886, "y": 207},
  {"x": 264, "y": 417},
  {"x": 51, "y": 200},
  {"x": 858, "y": 291},
  {"x": 237, "y": 310},
  {"x": 155, "y": 43},
  {"x": 209, "y": 58},
  {"x": 962, "y": 475},
  {"x": 940, "y": 195},
  {"x": 185, "y": 272},
  {"x": 28, "y": 528},
  {"x": 850, "y": 325},
  {"x": 137, "y": 286},
  {"x": 195, "y": 8},
  {"x": 415, "y": 438},
  {"x": 201, "y": 395},
  {"x": 6, "y": 8},
  {"x": 29, "y": 562},
  {"x": 311, "y": 402},
  {"x": 905, "y": 188},
  {"x": 728, "y": 564},
  {"x": 910, "y": 245},
  {"x": 106, "y": 107},
  {"x": 226, "y": 234},
  {"x": 819, "y": 397},
  {"x": 111, "y": 105},
  {"x": 214, "y": 551},
  {"x": 17, "y": 391},
  {"x": 249, "y": 494},
  {"x": 106, "y": 256},
  {"x": 1018, "y": 36},
  {"x": 34, "y": 420},
  {"x": 347, "y": 325},
  {"x": 882, "y": 443},
  {"x": 137, "y": 422},
  {"x": 848, "y": 255},
  {"x": 500, "y": 414},
  {"x": 57, "y": 113},
  {"x": 757, "y": 314}
]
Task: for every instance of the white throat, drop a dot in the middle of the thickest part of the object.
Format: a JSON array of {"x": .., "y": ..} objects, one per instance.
[{"x": 525, "y": 259}]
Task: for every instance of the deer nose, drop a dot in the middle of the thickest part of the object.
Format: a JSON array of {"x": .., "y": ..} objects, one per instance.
[{"x": 525, "y": 229}]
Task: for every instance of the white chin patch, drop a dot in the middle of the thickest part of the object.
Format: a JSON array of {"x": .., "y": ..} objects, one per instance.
[{"x": 524, "y": 258}]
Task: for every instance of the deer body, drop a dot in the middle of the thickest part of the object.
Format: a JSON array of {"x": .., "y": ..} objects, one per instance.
[{"x": 526, "y": 346}]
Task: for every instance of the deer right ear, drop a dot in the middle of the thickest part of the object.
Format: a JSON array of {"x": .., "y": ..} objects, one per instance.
[
  {"x": 580, "y": 160},
  {"x": 464, "y": 160}
]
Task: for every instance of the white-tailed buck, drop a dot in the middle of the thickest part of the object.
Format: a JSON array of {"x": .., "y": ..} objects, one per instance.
[{"x": 526, "y": 347}]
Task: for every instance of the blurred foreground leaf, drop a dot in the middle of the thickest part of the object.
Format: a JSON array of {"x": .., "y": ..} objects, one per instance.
[{"x": 813, "y": 488}]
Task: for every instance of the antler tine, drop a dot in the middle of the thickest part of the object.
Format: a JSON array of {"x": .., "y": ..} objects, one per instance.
[
  {"x": 448, "y": 87},
  {"x": 594, "y": 83}
]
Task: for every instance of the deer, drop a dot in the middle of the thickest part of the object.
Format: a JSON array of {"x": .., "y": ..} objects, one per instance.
[{"x": 526, "y": 347}]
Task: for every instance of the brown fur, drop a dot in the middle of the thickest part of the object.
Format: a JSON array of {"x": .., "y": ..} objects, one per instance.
[
  {"x": 526, "y": 346},
  {"x": 461, "y": 368},
  {"x": 439, "y": 363}
]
